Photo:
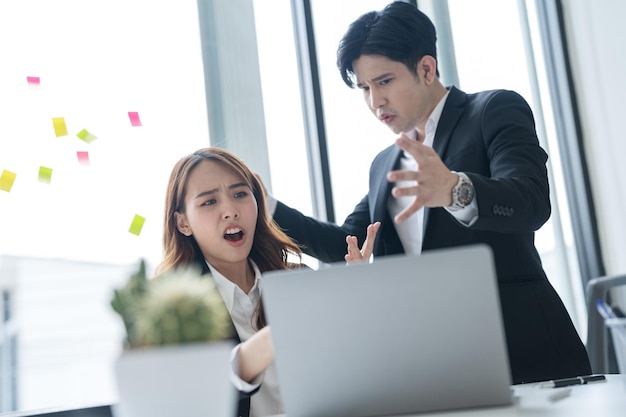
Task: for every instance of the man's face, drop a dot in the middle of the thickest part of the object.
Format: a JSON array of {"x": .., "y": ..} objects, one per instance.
[{"x": 396, "y": 96}]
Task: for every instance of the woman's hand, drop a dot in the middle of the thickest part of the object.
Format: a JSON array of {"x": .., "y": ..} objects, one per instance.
[
  {"x": 256, "y": 354},
  {"x": 357, "y": 255}
]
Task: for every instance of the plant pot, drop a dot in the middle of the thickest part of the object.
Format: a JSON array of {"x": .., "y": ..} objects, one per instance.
[{"x": 180, "y": 380}]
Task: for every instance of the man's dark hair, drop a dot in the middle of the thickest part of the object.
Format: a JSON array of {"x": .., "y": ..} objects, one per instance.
[{"x": 399, "y": 32}]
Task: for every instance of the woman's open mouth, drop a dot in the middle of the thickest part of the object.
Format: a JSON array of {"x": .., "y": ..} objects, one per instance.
[{"x": 233, "y": 234}]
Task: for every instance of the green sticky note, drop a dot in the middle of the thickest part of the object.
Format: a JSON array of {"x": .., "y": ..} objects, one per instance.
[
  {"x": 6, "y": 180},
  {"x": 59, "y": 126},
  {"x": 137, "y": 224},
  {"x": 45, "y": 174},
  {"x": 86, "y": 136}
]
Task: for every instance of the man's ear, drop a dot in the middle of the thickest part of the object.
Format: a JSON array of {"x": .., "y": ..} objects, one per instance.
[
  {"x": 181, "y": 224},
  {"x": 427, "y": 68}
]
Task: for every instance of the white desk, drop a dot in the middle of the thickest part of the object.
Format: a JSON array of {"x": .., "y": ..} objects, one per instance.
[
  {"x": 605, "y": 399},
  {"x": 602, "y": 399}
]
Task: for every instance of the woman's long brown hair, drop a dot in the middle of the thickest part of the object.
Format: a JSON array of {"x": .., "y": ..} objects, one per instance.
[{"x": 270, "y": 246}]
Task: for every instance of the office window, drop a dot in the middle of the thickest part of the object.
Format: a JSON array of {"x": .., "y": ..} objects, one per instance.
[
  {"x": 282, "y": 104},
  {"x": 94, "y": 68},
  {"x": 353, "y": 134},
  {"x": 71, "y": 71}
]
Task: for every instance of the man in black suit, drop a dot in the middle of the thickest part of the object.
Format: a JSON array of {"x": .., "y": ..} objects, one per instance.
[{"x": 466, "y": 169}]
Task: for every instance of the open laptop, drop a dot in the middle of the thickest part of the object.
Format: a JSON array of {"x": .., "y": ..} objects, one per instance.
[{"x": 404, "y": 334}]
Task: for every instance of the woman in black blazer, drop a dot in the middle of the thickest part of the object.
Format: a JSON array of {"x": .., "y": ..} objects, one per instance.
[{"x": 216, "y": 217}]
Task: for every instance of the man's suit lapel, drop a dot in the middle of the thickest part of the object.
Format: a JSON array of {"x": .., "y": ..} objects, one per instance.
[
  {"x": 450, "y": 115},
  {"x": 379, "y": 192},
  {"x": 381, "y": 188}
]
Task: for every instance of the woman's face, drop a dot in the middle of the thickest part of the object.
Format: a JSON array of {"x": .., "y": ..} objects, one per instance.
[{"x": 220, "y": 212}]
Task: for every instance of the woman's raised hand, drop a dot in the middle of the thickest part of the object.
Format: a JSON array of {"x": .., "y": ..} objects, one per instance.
[{"x": 354, "y": 253}]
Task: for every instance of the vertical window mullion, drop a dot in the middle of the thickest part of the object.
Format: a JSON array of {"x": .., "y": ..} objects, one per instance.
[
  {"x": 313, "y": 112},
  {"x": 570, "y": 141}
]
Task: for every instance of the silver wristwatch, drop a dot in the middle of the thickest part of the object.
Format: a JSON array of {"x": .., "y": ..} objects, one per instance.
[{"x": 462, "y": 193}]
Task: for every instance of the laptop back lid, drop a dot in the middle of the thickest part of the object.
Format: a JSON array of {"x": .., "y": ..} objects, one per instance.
[{"x": 403, "y": 334}]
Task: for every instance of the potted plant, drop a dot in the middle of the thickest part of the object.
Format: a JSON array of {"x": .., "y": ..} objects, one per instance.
[{"x": 176, "y": 357}]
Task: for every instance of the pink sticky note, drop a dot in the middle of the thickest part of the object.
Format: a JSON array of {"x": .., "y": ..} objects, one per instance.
[
  {"x": 134, "y": 118},
  {"x": 33, "y": 81},
  {"x": 83, "y": 157}
]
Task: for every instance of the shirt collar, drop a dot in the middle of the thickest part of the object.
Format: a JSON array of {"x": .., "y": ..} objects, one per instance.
[
  {"x": 431, "y": 123},
  {"x": 433, "y": 120},
  {"x": 227, "y": 288}
]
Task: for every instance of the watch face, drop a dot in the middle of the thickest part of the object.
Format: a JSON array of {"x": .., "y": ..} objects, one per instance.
[{"x": 465, "y": 194}]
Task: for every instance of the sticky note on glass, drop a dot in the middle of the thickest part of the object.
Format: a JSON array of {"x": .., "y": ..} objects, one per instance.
[
  {"x": 59, "y": 126},
  {"x": 137, "y": 224},
  {"x": 45, "y": 175},
  {"x": 34, "y": 82},
  {"x": 86, "y": 136},
  {"x": 134, "y": 118},
  {"x": 6, "y": 180},
  {"x": 83, "y": 157}
]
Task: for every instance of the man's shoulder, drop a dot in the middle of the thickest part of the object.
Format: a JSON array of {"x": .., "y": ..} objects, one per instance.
[
  {"x": 390, "y": 153},
  {"x": 487, "y": 99},
  {"x": 385, "y": 160},
  {"x": 495, "y": 94}
]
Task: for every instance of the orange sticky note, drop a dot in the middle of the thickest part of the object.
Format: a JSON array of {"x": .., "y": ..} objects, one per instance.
[
  {"x": 137, "y": 224},
  {"x": 134, "y": 118},
  {"x": 83, "y": 157},
  {"x": 45, "y": 175},
  {"x": 59, "y": 126},
  {"x": 86, "y": 136},
  {"x": 6, "y": 180}
]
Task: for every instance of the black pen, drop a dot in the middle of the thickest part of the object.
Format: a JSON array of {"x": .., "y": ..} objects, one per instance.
[{"x": 566, "y": 382}]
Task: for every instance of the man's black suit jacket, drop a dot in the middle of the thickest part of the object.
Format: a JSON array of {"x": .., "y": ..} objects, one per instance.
[{"x": 491, "y": 137}]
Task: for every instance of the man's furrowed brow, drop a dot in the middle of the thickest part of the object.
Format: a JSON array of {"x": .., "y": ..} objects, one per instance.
[
  {"x": 382, "y": 77},
  {"x": 375, "y": 79}
]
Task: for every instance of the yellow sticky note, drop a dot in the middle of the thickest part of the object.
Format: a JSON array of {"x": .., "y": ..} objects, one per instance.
[
  {"x": 45, "y": 174},
  {"x": 86, "y": 136},
  {"x": 137, "y": 224},
  {"x": 6, "y": 180},
  {"x": 59, "y": 126}
]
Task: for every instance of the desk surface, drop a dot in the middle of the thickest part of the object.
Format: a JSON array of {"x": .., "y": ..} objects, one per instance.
[{"x": 606, "y": 399}]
